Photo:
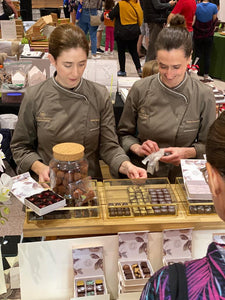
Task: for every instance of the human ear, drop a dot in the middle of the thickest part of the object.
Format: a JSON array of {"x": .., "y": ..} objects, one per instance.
[
  {"x": 214, "y": 180},
  {"x": 190, "y": 58},
  {"x": 52, "y": 60}
]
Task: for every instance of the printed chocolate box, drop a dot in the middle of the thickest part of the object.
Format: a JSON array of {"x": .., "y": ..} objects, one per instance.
[
  {"x": 177, "y": 245},
  {"x": 134, "y": 266},
  {"x": 44, "y": 202},
  {"x": 88, "y": 270}
]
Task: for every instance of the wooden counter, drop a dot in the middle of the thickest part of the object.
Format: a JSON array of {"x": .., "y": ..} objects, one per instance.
[{"x": 104, "y": 225}]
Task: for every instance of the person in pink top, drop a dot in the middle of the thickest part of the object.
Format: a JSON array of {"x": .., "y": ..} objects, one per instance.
[{"x": 186, "y": 8}]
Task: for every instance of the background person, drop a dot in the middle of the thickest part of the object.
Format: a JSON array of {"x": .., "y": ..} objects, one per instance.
[
  {"x": 68, "y": 108},
  {"x": 205, "y": 276},
  {"x": 155, "y": 15},
  {"x": 187, "y": 9},
  {"x": 73, "y": 5},
  {"x": 3, "y": 16},
  {"x": 127, "y": 13},
  {"x": 90, "y": 7},
  {"x": 204, "y": 26},
  {"x": 66, "y": 8},
  {"x": 169, "y": 110},
  {"x": 109, "y": 27}
]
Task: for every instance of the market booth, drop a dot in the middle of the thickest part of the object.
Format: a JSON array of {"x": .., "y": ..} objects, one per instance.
[{"x": 121, "y": 212}]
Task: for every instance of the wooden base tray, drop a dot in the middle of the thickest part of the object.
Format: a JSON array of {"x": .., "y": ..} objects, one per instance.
[
  {"x": 139, "y": 198},
  {"x": 92, "y": 210},
  {"x": 201, "y": 207}
]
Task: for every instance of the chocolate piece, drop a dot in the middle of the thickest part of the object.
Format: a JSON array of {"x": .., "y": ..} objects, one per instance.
[
  {"x": 193, "y": 209},
  {"x": 126, "y": 267},
  {"x": 146, "y": 270},
  {"x": 90, "y": 293},
  {"x": 144, "y": 264},
  {"x": 129, "y": 276}
]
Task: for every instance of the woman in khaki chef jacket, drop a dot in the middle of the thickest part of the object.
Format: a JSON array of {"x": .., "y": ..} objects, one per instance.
[
  {"x": 169, "y": 110},
  {"x": 68, "y": 108}
]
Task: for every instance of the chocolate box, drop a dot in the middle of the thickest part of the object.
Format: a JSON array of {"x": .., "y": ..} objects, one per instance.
[
  {"x": 134, "y": 266},
  {"x": 89, "y": 279},
  {"x": 24, "y": 186},
  {"x": 177, "y": 245},
  {"x": 44, "y": 202}
]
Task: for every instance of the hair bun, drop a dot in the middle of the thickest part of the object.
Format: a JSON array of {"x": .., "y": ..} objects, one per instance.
[{"x": 178, "y": 21}]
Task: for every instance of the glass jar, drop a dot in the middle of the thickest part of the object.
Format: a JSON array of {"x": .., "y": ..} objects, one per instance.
[{"x": 67, "y": 166}]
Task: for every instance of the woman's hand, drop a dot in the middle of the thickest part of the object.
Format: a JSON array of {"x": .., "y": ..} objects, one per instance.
[
  {"x": 177, "y": 153},
  {"x": 43, "y": 173},
  {"x": 146, "y": 148},
  {"x": 132, "y": 171}
]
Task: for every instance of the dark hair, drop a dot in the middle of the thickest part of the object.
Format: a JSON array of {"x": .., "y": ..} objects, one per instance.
[
  {"x": 215, "y": 144},
  {"x": 109, "y": 4},
  {"x": 174, "y": 37},
  {"x": 67, "y": 36},
  {"x": 178, "y": 21}
]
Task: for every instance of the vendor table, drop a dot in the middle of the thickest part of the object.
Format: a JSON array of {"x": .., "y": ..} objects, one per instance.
[
  {"x": 217, "y": 66},
  {"x": 104, "y": 225}
]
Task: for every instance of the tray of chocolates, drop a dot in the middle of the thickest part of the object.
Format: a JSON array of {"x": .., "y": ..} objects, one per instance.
[
  {"x": 139, "y": 198},
  {"x": 88, "y": 268},
  {"x": 94, "y": 286},
  {"x": 193, "y": 207},
  {"x": 135, "y": 270},
  {"x": 44, "y": 202}
]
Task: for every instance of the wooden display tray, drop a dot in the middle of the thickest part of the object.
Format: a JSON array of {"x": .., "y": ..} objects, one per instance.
[
  {"x": 131, "y": 198},
  {"x": 105, "y": 225},
  {"x": 193, "y": 207},
  {"x": 69, "y": 212}
]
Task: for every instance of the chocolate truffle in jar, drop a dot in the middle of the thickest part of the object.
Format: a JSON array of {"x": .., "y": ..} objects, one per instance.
[{"x": 67, "y": 166}]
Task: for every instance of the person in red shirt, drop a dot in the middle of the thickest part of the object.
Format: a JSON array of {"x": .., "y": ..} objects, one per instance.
[{"x": 186, "y": 8}]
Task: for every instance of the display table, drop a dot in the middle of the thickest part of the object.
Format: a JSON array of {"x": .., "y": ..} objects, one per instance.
[
  {"x": 106, "y": 225},
  {"x": 217, "y": 66}
]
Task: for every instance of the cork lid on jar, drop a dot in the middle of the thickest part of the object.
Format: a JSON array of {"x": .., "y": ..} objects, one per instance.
[{"x": 68, "y": 151}]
